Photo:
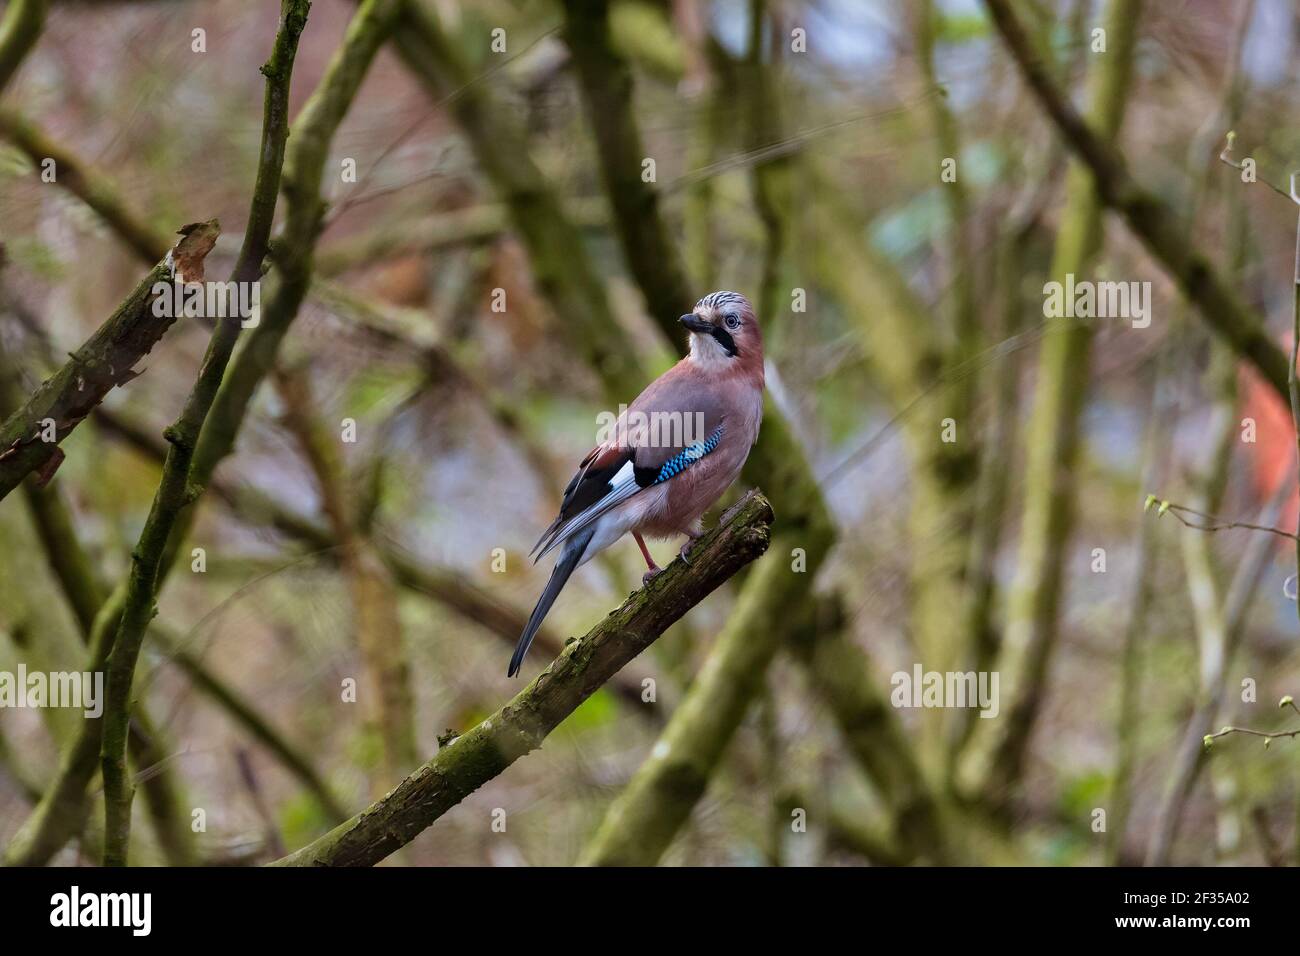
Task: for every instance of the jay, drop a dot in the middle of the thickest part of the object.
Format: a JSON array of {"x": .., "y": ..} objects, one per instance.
[{"x": 658, "y": 481}]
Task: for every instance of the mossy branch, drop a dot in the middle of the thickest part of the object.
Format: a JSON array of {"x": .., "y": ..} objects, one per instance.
[
  {"x": 179, "y": 487},
  {"x": 81, "y": 587},
  {"x": 641, "y": 823},
  {"x": 522, "y": 725},
  {"x": 449, "y": 588},
  {"x": 308, "y": 151},
  {"x": 654, "y": 806}
]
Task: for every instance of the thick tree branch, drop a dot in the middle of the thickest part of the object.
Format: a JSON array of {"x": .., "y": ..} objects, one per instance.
[
  {"x": 642, "y": 822},
  {"x": 705, "y": 723},
  {"x": 522, "y": 725}
]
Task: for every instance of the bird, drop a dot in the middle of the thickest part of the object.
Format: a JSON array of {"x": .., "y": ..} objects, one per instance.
[{"x": 669, "y": 455}]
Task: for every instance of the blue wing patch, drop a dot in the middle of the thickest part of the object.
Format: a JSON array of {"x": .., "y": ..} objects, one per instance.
[
  {"x": 688, "y": 456},
  {"x": 627, "y": 481}
]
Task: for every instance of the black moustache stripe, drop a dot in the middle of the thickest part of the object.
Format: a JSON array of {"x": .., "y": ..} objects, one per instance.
[{"x": 725, "y": 340}]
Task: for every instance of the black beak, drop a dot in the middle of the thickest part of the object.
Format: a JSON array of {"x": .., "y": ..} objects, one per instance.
[{"x": 696, "y": 324}]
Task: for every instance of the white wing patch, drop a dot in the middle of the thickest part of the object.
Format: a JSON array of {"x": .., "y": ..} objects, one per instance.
[{"x": 622, "y": 487}]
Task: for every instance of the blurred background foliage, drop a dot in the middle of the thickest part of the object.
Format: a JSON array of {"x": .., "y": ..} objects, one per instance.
[{"x": 780, "y": 174}]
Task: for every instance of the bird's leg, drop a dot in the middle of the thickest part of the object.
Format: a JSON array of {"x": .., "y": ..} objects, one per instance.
[
  {"x": 649, "y": 561},
  {"x": 691, "y": 537}
]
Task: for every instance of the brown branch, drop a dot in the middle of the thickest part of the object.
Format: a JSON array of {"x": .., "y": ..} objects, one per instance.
[
  {"x": 521, "y": 726},
  {"x": 470, "y": 226},
  {"x": 1216, "y": 523},
  {"x": 29, "y": 438}
]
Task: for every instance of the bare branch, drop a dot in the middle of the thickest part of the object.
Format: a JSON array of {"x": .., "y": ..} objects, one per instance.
[
  {"x": 30, "y": 437},
  {"x": 521, "y": 726},
  {"x": 179, "y": 487}
]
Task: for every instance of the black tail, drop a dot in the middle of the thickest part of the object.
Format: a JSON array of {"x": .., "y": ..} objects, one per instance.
[{"x": 573, "y": 551}]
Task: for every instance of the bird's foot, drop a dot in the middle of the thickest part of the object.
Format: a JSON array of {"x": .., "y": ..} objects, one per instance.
[
  {"x": 650, "y": 575},
  {"x": 684, "y": 552}
]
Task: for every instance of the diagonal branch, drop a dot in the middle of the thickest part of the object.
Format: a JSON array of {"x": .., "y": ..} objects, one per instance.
[
  {"x": 86, "y": 183},
  {"x": 565, "y": 275},
  {"x": 641, "y": 823},
  {"x": 75, "y": 575},
  {"x": 456, "y": 592},
  {"x": 522, "y": 725},
  {"x": 304, "y": 172},
  {"x": 606, "y": 82},
  {"x": 29, "y": 438},
  {"x": 179, "y": 487},
  {"x": 659, "y": 798},
  {"x": 19, "y": 30},
  {"x": 1159, "y": 227}
]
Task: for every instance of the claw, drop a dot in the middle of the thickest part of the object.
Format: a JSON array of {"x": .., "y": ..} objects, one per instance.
[{"x": 650, "y": 575}]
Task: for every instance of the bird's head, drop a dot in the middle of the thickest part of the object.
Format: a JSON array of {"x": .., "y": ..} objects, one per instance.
[{"x": 724, "y": 332}]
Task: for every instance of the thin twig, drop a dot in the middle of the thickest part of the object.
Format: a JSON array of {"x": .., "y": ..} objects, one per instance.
[{"x": 1216, "y": 523}]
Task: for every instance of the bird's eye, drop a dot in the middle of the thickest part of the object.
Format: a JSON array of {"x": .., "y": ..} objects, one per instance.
[{"x": 732, "y": 320}]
